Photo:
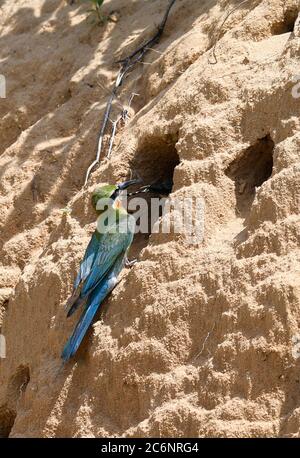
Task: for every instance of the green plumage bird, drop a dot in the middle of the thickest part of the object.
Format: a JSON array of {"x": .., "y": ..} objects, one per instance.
[{"x": 104, "y": 259}]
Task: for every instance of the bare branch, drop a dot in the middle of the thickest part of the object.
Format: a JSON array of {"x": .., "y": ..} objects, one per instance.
[
  {"x": 213, "y": 51},
  {"x": 204, "y": 342},
  {"x": 126, "y": 66}
]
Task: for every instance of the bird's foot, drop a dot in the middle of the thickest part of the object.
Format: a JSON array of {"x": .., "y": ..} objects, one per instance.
[{"x": 130, "y": 263}]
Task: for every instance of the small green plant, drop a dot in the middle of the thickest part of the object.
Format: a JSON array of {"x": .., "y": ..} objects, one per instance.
[{"x": 96, "y": 10}]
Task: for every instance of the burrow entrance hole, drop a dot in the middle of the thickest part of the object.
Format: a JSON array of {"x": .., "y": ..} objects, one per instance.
[
  {"x": 249, "y": 171},
  {"x": 18, "y": 384},
  {"x": 288, "y": 22},
  {"x": 16, "y": 387},
  {"x": 7, "y": 419},
  {"x": 154, "y": 162}
]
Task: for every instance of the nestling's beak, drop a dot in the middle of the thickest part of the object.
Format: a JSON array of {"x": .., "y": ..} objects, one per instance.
[{"x": 128, "y": 183}]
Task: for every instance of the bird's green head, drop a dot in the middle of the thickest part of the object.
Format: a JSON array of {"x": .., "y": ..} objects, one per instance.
[
  {"x": 107, "y": 196},
  {"x": 103, "y": 194}
]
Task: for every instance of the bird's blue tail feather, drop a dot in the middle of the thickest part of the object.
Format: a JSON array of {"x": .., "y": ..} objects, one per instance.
[
  {"x": 94, "y": 302},
  {"x": 80, "y": 330}
]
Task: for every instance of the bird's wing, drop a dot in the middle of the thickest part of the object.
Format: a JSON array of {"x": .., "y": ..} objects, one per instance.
[
  {"x": 109, "y": 247},
  {"x": 95, "y": 299},
  {"x": 88, "y": 259},
  {"x": 84, "y": 270}
]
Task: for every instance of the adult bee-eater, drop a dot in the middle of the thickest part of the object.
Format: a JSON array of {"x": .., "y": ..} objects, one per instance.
[{"x": 104, "y": 259}]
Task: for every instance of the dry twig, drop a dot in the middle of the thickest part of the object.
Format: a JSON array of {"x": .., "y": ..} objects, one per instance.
[
  {"x": 221, "y": 29},
  {"x": 127, "y": 65},
  {"x": 204, "y": 342}
]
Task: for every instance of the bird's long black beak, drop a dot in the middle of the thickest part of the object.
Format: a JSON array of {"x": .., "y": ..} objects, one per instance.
[{"x": 128, "y": 183}]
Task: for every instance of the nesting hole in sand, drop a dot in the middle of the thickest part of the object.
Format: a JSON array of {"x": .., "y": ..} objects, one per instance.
[
  {"x": 249, "y": 171},
  {"x": 156, "y": 159},
  {"x": 7, "y": 419},
  {"x": 288, "y": 23},
  {"x": 18, "y": 384},
  {"x": 154, "y": 162}
]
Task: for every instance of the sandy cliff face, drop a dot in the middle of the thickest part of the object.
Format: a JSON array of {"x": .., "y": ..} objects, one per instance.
[{"x": 195, "y": 340}]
